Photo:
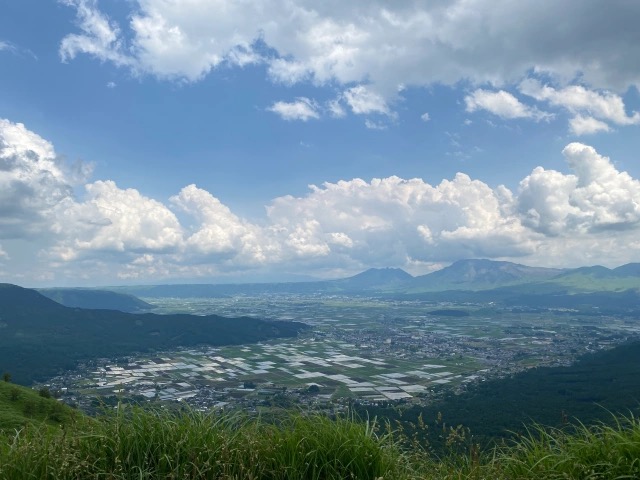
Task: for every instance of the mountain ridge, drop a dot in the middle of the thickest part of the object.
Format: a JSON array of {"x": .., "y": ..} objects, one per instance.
[
  {"x": 96, "y": 299},
  {"x": 480, "y": 274},
  {"x": 497, "y": 278}
]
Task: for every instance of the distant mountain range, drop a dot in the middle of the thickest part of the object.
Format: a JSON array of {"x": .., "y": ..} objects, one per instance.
[
  {"x": 96, "y": 299},
  {"x": 466, "y": 275},
  {"x": 474, "y": 280},
  {"x": 39, "y": 337},
  {"x": 374, "y": 279},
  {"x": 480, "y": 275}
]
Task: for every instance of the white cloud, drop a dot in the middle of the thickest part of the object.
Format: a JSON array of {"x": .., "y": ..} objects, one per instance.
[
  {"x": 32, "y": 181},
  {"x": 384, "y": 44},
  {"x": 100, "y": 36},
  {"x": 335, "y": 109},
  {"x": 581, "y": 125},
  {"x": 115, "y": 220},
  {"x": 543, "y": 201},
  {"x": 591, "y": 109},
  {"x": 218, "y": 233},
  {"x": 576, "y": 98},
  {"x": 6, "y": 46},
  {"x": 503, "y": 104},
  {"x": 387, "y": 219},
  {"x": 288, "y": 72},
  {"x": 111, "y": 85},
  {"x": 113, "y": 233},
  {"x": 597, "y": 197},
  {"x": 425, "y": 117},
  {"x": 305, "y": 240},
  {"x": 374, "y": 50},
  {"x": 363, "y": 100},
  {"x": 302, "y": 109},
  {"x": 340, "y": 239}
]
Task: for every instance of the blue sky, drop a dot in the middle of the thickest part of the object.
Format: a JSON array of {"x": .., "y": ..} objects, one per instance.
[{"x": 148, "y": 141}]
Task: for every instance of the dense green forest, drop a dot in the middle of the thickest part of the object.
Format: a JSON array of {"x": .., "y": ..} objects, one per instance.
[{"x": 593, "y": 389}]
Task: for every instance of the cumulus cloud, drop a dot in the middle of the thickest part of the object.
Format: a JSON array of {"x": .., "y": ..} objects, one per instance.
[
  {"x": 302, "y": 109},
  {"x": 578, "y": 99},
  {"x": 403, "y": 43},
  {"x": 220, "y": 234},
  {"x": 552, "y": 218},
  {"x": 116, "y": 220},
  {"x": 32, "y": 181},
  {"x": 425, "y": 117},
  {"x": 596, "y": 198},
  {"x": 363, "y": 100},
  {"x": 374, "y": 50},
  {"x": 503, "y": 104},
  {"x": 389, "y": 219},
  {"x": 591, "y": 109},
  {"x": 581, "y": 125}
]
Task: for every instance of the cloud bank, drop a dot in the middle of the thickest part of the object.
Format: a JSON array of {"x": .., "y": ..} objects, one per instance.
[
  {"x": 370, "y": 51},
  {"x": 589, "y": 215}
]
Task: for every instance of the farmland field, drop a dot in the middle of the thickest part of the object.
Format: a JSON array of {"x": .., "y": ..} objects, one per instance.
[{"x": 371, "y": 350}]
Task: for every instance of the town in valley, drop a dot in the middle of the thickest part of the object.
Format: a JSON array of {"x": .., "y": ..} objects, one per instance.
[{"x": 368, "y": 350}]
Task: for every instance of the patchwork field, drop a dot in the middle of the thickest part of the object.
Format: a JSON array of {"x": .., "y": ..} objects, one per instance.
[
  {"x": 365, "y": 349},
  {"x": 180, "y": 375}
]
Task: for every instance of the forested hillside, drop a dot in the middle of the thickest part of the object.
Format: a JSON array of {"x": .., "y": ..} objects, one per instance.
[{"x": 40, "y": 338}]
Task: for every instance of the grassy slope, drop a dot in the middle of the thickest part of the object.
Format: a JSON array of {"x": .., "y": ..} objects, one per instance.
[
  {"x": 136, "y": 444},
  {"x": 583, "y": 282},
  {"x": 20, "y": 406},
  {"x": 147, "y": 445}
]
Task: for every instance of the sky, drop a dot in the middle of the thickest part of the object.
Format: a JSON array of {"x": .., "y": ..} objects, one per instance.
[{"x": 173, "y": 141}]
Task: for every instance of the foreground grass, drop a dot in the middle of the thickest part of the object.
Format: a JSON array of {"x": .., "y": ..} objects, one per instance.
[
  {"x": 147, "y": 445},
  {"x": 597, "y": 452},
  {"x": 138, "y": 444}
]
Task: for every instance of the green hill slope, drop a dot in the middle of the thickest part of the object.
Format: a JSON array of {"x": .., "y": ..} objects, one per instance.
[
  {"x": 20, "y": 406},
  {"x": 591, "y": 390},
  {"x": 599, "y": 279}
]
